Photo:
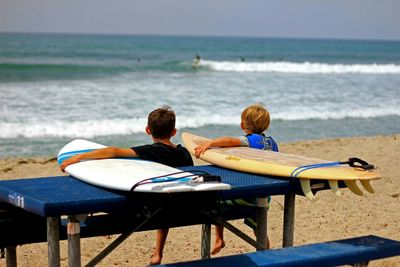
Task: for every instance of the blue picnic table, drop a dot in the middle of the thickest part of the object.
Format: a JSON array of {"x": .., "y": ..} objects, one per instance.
[{"x": 66, "y": 208}]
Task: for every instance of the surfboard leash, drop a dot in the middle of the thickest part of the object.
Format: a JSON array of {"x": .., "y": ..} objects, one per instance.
[
  {"x": 162, "y": 179},
  {"x": 359, "y": 163},
  {"x": 352, "y": 162},
  {"x": 197, "y": 176}
]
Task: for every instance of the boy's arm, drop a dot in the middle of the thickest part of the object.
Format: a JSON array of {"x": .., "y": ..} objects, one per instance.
[
  {"x": 218, "y": 142},
  {"x": 103, "y": 153}
]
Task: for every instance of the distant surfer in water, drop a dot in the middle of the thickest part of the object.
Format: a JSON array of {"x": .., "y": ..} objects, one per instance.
[{"x": 196, "y": 61}]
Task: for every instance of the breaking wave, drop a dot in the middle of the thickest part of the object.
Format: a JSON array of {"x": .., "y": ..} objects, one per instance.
[
  {"x": 94, "y": 128},
  {"x": 304, "y": 68}
]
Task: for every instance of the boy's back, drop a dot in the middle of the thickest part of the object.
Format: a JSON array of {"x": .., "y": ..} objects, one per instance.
[{"x": 177, "y": 156}]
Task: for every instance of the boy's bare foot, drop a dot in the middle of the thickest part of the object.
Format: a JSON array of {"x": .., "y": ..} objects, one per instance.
[
  {"x": 218, "y": 245},
  {"x": 154, "y": 260}
]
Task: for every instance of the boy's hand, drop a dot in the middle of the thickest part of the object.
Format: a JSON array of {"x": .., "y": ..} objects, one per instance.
[
  {"x": 71, "y": 160},
  {"x": 218, "y": 142},
  {"x": 200, "y": 149}
]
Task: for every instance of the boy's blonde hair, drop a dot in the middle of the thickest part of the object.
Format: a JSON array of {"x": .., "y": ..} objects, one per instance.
[{"x": 256, "y": 118}]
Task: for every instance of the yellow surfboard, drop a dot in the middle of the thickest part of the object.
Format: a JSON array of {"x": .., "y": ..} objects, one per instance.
[{"x": 284, "y": 165}]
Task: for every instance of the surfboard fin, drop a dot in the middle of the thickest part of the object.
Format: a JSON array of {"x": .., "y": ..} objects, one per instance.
[
  {"x": 306, "y": 187},
  {"x": 335, "y": 187},
  {"x": 367, "y": 186},
  {"x": 351, "y": 184}
]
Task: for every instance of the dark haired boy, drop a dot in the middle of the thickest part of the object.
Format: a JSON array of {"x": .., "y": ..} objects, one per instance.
[{"x": 161, "y": 127}]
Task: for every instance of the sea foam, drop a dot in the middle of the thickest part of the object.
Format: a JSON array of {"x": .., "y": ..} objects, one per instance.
[
  {"x": 305, "y": 67},
  {"x": 93, "y": 128}
]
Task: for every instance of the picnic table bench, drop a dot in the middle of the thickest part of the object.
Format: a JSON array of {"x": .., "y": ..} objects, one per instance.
[{"x": 356, "y": 251}]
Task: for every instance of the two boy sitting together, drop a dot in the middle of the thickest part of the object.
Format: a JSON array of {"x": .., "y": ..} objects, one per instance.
[{"x": 161, "y": 127}]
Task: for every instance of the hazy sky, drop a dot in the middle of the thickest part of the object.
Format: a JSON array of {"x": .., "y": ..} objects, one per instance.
[{"x": 360, "y": 19}]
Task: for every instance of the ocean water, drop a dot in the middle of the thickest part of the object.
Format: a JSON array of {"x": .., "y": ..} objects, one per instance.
[{"x": 55, "y": 88}]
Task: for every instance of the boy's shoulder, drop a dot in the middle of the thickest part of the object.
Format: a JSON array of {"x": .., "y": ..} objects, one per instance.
[
  {"x": 158, "y": 146},
  {"x": 261, "y": 141},
  {"x": 166, "y": 154}
]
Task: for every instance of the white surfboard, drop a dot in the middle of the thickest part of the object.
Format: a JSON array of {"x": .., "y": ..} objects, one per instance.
[{"x": 131, "y": 174}]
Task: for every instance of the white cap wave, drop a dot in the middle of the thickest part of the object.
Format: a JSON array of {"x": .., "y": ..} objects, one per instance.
[{"x": 305, "y": 67}]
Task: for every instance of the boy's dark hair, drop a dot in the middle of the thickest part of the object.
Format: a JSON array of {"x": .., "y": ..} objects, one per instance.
[{"x": 161, "y": 122}]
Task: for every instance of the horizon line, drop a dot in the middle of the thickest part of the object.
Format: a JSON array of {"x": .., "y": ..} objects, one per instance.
[{"x": 202, "y": 36}]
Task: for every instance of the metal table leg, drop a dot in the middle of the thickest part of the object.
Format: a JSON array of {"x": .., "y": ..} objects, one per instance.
[
  {"x": 53, "y": 241},
  {"x": 288, "y": 220},
  {"x": 261, "y": 232},
  {"x": 74, "y": 242},
  {"x": 11, "y": 256},
  {"x": 205, "y": 241}
]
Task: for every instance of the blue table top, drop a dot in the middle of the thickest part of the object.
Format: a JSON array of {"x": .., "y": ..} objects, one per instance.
[{"x": 64, "y": 195}]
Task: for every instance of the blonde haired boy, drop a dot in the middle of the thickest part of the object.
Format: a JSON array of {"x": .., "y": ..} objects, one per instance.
[{"x": 255, "y": 120}]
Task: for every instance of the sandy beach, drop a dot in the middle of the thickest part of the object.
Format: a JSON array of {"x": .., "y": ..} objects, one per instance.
[{"x": 327, "y": 218}]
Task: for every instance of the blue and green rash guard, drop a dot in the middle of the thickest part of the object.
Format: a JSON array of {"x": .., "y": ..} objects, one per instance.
[{"x": 259, "y": 141}]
